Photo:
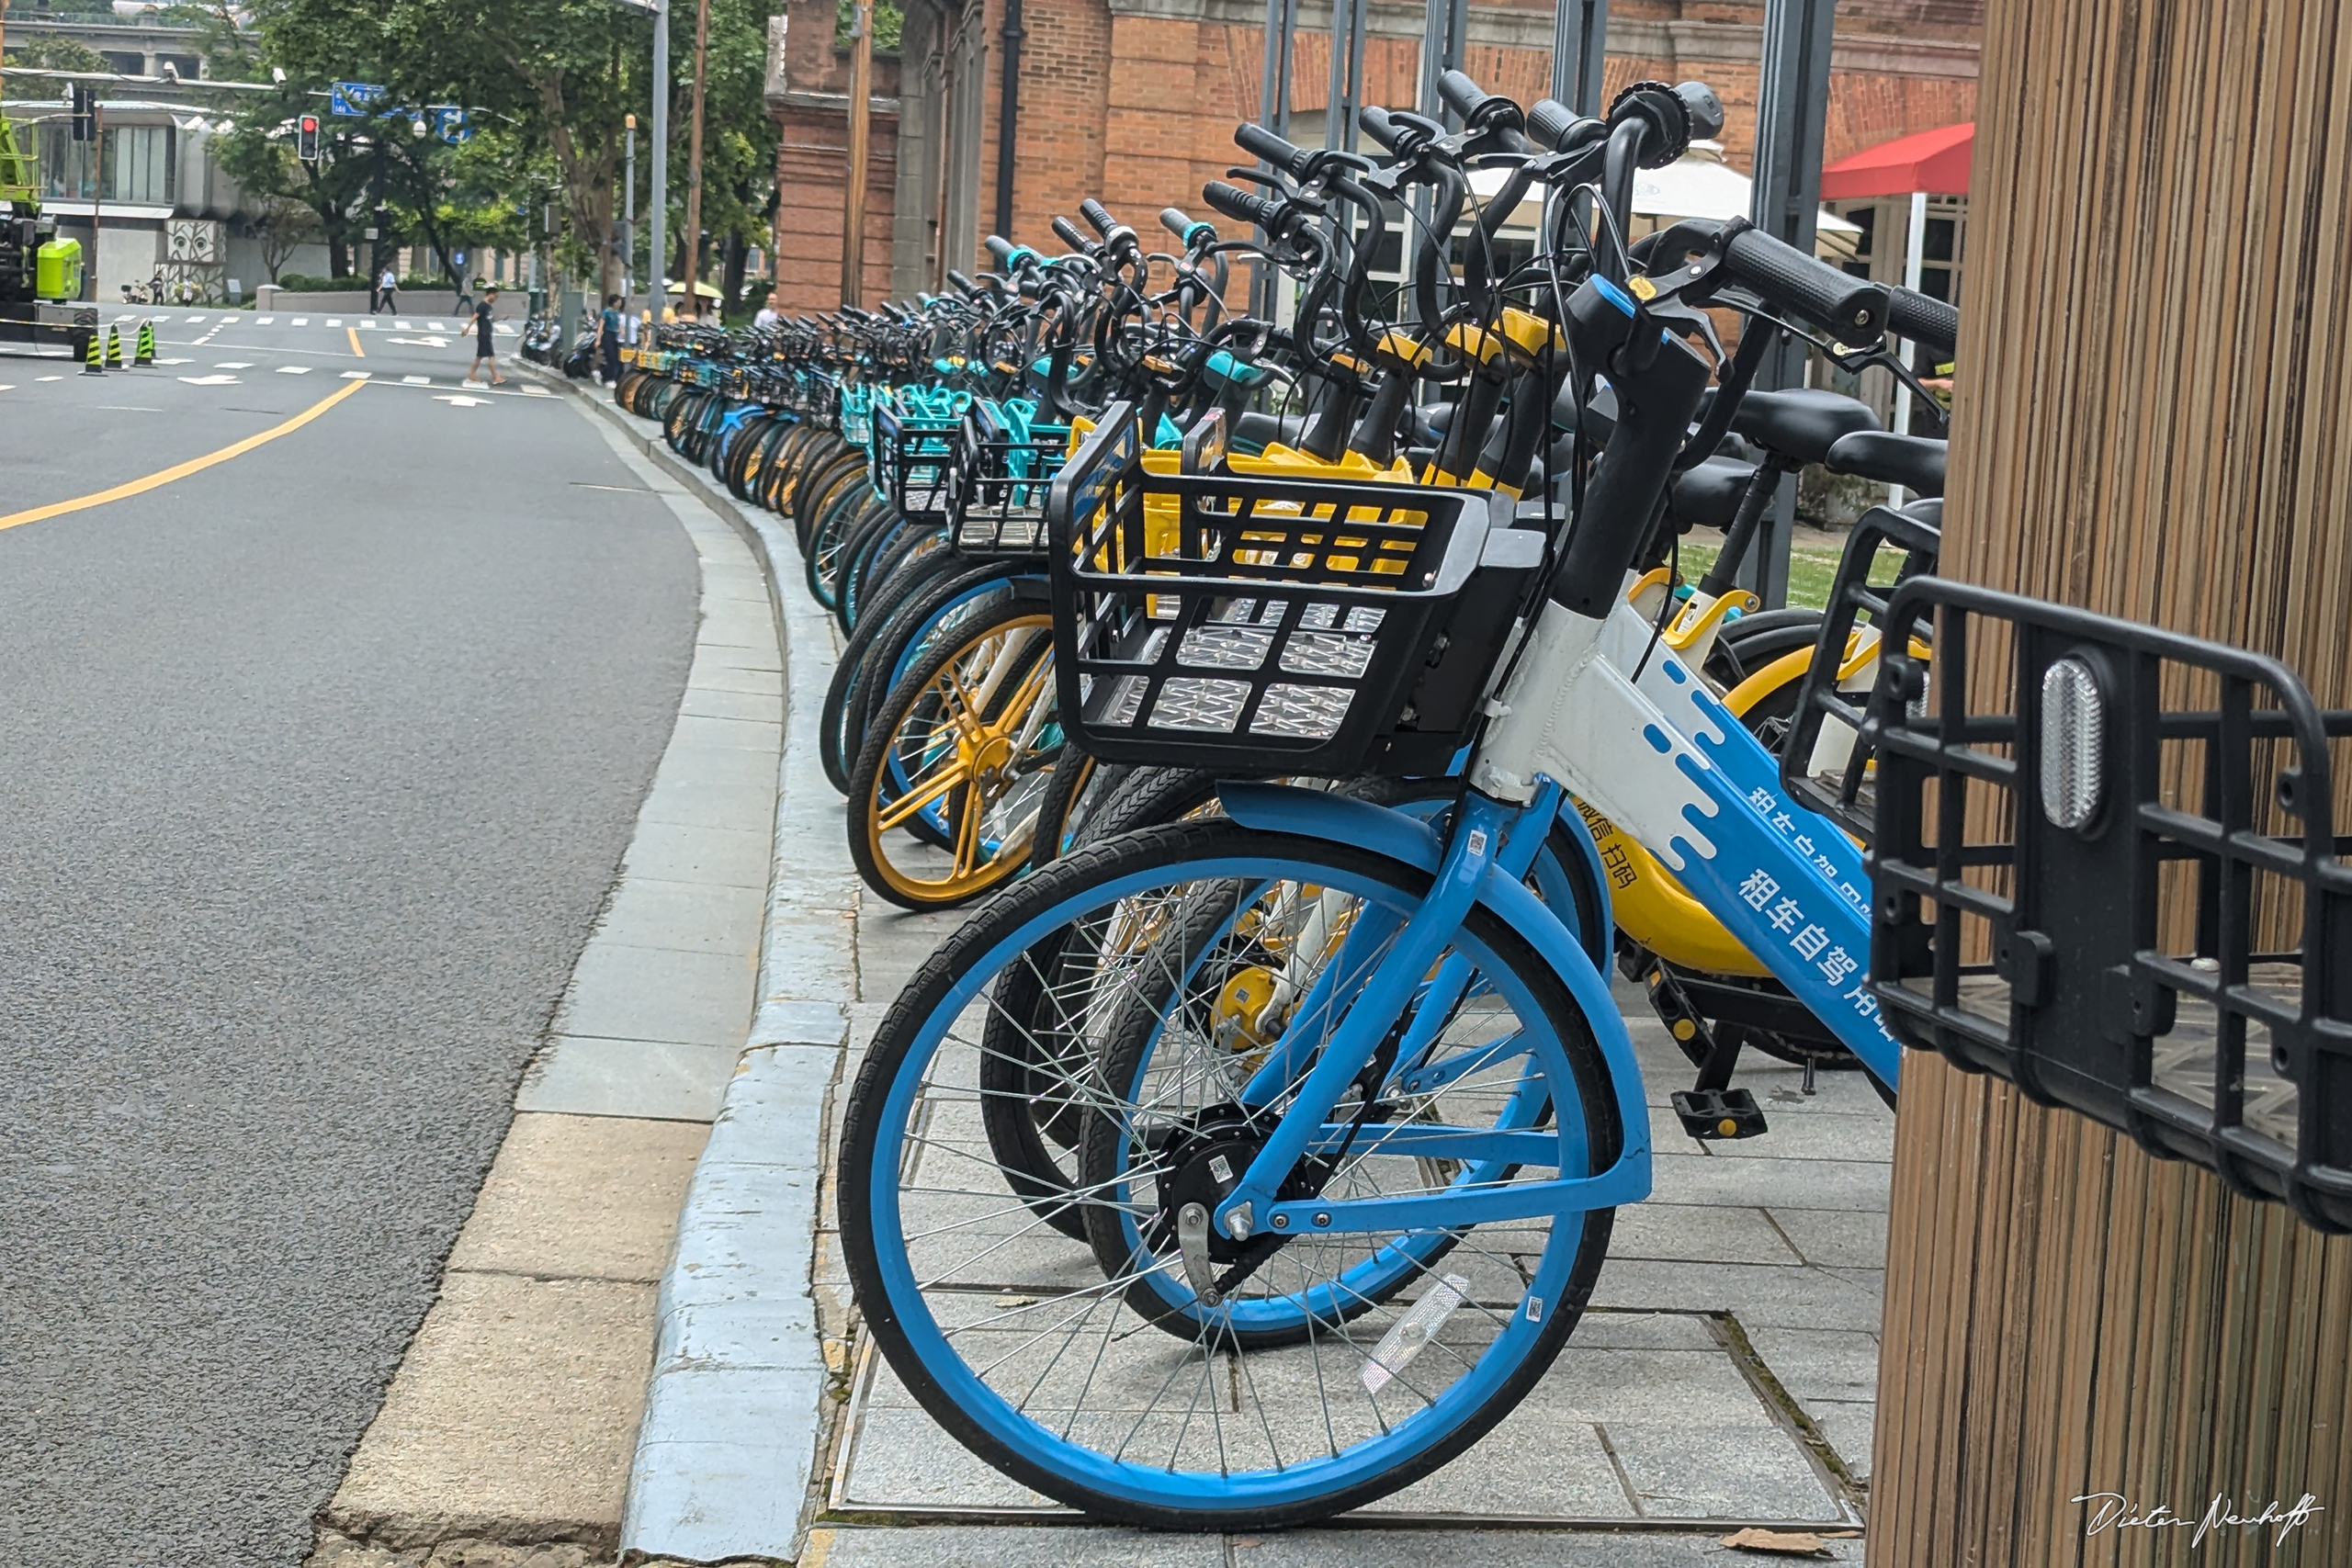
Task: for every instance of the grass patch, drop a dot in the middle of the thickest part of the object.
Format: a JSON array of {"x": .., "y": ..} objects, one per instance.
[{"x": 1811, "y": 572}]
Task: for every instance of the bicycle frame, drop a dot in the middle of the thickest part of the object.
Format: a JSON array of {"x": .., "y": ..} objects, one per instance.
[{"x": 1656, "y": 751}]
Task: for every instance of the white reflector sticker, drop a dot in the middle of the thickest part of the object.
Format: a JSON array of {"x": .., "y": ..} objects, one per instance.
[{"x": 1419, "y": 1325}]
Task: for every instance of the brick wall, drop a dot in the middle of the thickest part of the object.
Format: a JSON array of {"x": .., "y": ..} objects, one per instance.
[{"x": 1139, "y": 110}]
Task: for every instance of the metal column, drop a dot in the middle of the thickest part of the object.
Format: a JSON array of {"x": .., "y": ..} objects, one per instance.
[
  {"x": 1348, "y": 20},
  {"x": 1579, "y": 48},
  {"x": 1274, "y": 113},
  {"x": 1792, "y": 104},
  {"x": 1443, "y": 33}
]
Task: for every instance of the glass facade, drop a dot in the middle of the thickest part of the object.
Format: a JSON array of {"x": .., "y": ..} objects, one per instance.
[{"x": 139, "y": 168}]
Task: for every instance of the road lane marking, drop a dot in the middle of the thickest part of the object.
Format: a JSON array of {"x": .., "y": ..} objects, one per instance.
[
  {"x": 357, "y": 375},
  {"x": 264, "y": 321},
  {"x": 404, "y": 326},
  {"x": 182, "y": 360},
  {"x": 210, "y": 380},
  {"x": 302, "y": 320},
  {"x": 434, "y": 327},
  {"x": 234, "y": 364},
  {"x": 459, "y": 400},
  {"x": 48, "y": 377},
  {"x": 416, "y": 380},
  {"x": 293, "y": 370},
  {"x": 354, "y": 333},
  {"x": 181, "y": 470},
  {"x": 193, "y": 319},
  {"x": 367, "y": 326},
  {"x": 6, "y": 386},
  {"x": 117, "y": 407},
  {"x": 335, "y": 321},
  {"x": 420, "y": 342}
]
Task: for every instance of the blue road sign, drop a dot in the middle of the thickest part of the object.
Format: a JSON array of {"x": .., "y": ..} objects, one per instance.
[{"x": 355, "y": 99}]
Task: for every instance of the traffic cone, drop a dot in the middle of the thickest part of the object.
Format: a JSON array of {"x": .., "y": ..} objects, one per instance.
[
  {"x": 146, "y": 353},
  {"x": 113, "y": 346},
  {"x": 94, "y": 358}
]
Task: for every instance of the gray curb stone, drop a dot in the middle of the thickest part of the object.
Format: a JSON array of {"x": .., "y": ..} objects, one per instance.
[{"x": 729, "y": 1437}]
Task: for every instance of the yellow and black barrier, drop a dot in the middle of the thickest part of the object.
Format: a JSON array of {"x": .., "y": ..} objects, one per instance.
[
  {"x": 113, "y": 346},
  {"x": 94, "y": 355}
]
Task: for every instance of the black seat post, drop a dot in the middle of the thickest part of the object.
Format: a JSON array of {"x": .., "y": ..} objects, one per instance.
[{"x": 1759, "y": 494}]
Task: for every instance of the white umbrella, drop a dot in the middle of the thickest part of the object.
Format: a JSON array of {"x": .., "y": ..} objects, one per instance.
[{"x": 1697, "y": 185}]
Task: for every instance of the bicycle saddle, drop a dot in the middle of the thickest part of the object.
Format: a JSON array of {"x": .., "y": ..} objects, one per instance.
[
  {"x": 1915, "y": 462},
  {"x": 1260, "y": 430},
  {"x": 1706, "y": 495},
  {"x": 1801, "y": 425}
]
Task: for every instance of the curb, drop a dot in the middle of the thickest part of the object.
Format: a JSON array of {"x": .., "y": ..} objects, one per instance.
[{"x": 733, "y": 1412}]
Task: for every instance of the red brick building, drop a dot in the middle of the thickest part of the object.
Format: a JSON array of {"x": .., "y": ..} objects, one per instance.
[{"x": 1135, "y": 101}]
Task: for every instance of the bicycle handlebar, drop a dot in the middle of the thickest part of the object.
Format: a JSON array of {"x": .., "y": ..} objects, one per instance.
[
  {"x": 1850, "y": 309},
  {"x": 1097, "y": 215},
  {"x": 1923, "y": 318},
  {"x": 1287, "y": 156},
  {"x": 1241, "y": 206}
]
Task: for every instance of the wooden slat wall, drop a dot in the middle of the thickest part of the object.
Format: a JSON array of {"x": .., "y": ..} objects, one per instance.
[{"x": 2152, "y": 421}]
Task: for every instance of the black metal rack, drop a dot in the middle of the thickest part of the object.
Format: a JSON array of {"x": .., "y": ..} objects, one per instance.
[{"x": 2106, "y": 868}]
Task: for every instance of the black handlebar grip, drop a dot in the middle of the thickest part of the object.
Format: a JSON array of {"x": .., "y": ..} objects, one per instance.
[
  {"x": 999, "y": 247},
  {"x": 1070, "y": 234},
  {"x": 1259, "y": 142},
  {"x": 1173, "y": 220},
  {"x": 1922, "y": 318},
  {"x": 1095, "y": 213},
  {"x": 1548, "y": 121},
  {"x": 1851, "y": 309},
  {"x": 960, "y": 281},
  {"x": 1239, "y": 205},
  {"x": 1374, "y": 121}
]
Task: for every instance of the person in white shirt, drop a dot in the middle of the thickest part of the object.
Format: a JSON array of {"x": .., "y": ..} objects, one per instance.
[
  {"x": 384, "y": 286},
  {"x": 767, "y": 316}
]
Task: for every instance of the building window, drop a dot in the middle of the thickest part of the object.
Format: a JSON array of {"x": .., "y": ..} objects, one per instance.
[
  {"x": 127, "y": 64},
  {"x": 139, "y": 167},
  {"x": 1865, "y": 218}
]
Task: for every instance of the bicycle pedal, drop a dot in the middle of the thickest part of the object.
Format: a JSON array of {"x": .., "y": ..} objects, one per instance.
[{"x": 1713, "y": 1113}]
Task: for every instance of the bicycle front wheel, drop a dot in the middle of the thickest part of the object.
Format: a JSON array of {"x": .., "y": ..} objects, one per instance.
[{"x": 1322, "y": 1367}]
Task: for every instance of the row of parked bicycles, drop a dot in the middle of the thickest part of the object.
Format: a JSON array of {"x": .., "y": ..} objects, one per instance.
[{"x": 1313, "y": 712}]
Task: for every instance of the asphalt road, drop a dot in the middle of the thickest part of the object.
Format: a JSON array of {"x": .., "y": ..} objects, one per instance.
[{"x": 314, "y": 768}]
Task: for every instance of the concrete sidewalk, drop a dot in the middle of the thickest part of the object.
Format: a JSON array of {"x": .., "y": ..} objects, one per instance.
[{"x": 1724, "y": 1379}]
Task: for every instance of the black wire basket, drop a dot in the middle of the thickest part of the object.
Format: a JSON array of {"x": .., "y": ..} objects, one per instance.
[
  {"x": 916, "y": 458},
  {"x": 2107, "y": 869},
  {"x": 1274, "y": 626},
  {"x": 1001, "y": 485}
]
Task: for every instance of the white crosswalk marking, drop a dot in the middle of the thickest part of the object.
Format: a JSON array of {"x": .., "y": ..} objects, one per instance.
[
  {"x": 358, "y": 375},
  {"x": 434, "y": 327},
  {"x": 405, "y": 326},
  {"x": 416, "y": 380},
  {"x": 193, "y": 319},
  {"x": 234, "y": 364},
  {"x": 210, "y": 380},
  {"x": 293, "y": 370},
  {"x": 302, "y": 320},
  {"x": 264, "y": 321},
  {"x": 335, "y": 321},
  {"x": 366, "y": 326},
  {"x": 5, "y": 387}
]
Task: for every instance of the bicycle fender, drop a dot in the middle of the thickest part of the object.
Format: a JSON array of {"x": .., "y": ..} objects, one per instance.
[{"x": 1285, "y": 808}]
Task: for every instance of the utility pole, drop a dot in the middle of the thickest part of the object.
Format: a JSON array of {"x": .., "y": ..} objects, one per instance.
[
  {"x": 694, "y": 159},
  {"x": 628, "y": 216},
  {"x": 860, "y": 131},
  {"x": 657, "y": 253},
  {"x": 97, "y": 185}
]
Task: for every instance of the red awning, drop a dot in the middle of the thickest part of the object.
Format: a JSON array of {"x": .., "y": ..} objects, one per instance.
[{"x": 1932, "y": 161}]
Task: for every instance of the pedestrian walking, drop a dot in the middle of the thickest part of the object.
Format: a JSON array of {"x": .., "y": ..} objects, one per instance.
[
  {"x": 485, "y": 352},
  {"x": 385, "y": 283},
  {"x": 767, "y": 316},
  {"x": 608, "y": 340}
]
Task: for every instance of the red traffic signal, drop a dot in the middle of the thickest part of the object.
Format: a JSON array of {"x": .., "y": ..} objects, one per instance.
[{"x": 306, "y": 140}]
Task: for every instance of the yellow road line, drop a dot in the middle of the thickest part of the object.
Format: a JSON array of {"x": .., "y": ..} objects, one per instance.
[
  {"x": 181, "y": 470},
  {"x": 354, "y": 333}
]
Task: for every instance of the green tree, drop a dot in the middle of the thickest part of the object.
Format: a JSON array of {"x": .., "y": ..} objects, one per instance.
[{"x": 53, "y": 51}]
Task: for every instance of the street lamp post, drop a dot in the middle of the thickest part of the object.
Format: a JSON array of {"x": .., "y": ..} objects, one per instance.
[
  {"x": 628, "y": 216},
  {"x": 658, "y": 198},
  {"x": 693, "y": 303}
]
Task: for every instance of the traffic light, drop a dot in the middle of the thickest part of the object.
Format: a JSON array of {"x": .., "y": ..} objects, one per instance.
[
  {"x": 86, "y": 111},
  {"x": 306, "y": 139}
]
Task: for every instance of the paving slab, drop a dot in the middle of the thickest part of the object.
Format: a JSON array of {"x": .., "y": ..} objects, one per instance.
[
  {"x": 621, "y": 992},
  {"x": 658, "y": 1078},
  {"x": 514, "y": 1416},
  {"x": 694, "y": 916}
]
